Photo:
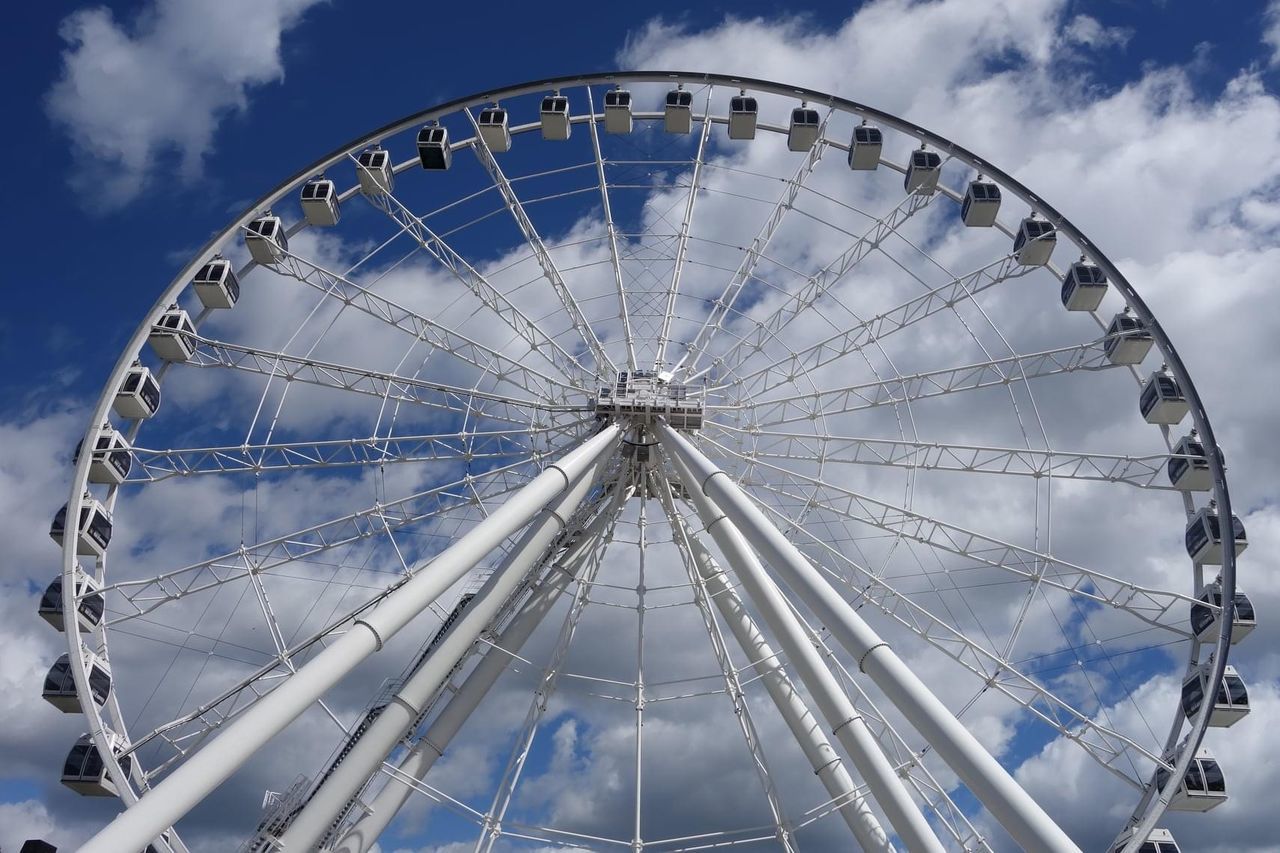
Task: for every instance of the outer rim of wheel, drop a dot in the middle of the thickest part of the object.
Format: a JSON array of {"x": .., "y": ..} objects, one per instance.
[{"x": 1153, "y": 802}]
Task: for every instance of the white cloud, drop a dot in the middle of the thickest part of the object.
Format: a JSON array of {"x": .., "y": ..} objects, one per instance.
[
  {"x": 1271, "y": 33},
  {"x": 133, "y": 96},
  {"x": 1089, "y": 31}
]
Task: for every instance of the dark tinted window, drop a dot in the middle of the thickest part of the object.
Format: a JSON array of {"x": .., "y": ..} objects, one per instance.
[
  {"x": 1244, "y": 608},
  {"x": 1237, "y": 693},
  {"x": 1213, "y": 778},
  {"x": 75, "y": 759}
]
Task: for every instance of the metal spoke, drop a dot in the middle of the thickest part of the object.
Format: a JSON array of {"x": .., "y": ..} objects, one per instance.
[{"x": 611, "y": 231}]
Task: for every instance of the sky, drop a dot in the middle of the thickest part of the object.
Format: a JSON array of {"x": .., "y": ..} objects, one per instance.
[{"x": 145, "y": 127}]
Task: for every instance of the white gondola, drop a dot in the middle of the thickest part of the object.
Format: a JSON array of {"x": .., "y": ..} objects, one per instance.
[
  {"x": 138, "y": 395},
  {"x": 373, "y": 168},
  {"x": 1033, "y": 245},
  {"x": 1162, "y": 400},
  {"x": 265, "y": 239},
  {"x": 981, "y": 204},
  {"x": 216, "y": 284},
  {"x": 1128, "y": 340},
  {"x": 806, "y": 124},
  {"x": 923, "y": 172},
  {"x": 1206, "y": 614},
  {"x": 617, "y": 111},
  {"x": 84, "y": 772},
  {"x": 1203, "y": 788},
  {"x": 494, "y": 129},
  {"x": 677, "y": 117},
  {"x": 865, "y": 147},
  {"x": 1158, "y": 841},
  {"x": 1204, "y": 536},
  {"x": 111, "y": 457},
  {"x": 434, "y": 152},
  {"x": 60, "y": 683},
  {"x": 1230, "y": 705},
  {"x": 320, "y": 202},
  {"x": 89, "y": 605},
  {"x": 1083, "y": 287},
  {"x": 555, "y": 117},
  {"x": 1190, "y": 473},
  {"x": 93, "y": 527},
  {"x": 744, "y": 111},
  {"x": 171, "y": 336}
]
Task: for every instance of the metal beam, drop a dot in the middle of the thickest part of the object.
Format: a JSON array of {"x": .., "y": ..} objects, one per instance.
[
  {"x": 1011, "y": 806},
  {"x": 196, "y": 778}
]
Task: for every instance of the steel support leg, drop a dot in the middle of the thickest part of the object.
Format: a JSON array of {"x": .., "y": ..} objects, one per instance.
[
  {"x": 195, "y": 778},
  {"x": 846, "y": 723},
  {"x": 418, "y": 761},
  {"x": 330, "y": 800},
  {"x": 1008, "y": 803}
]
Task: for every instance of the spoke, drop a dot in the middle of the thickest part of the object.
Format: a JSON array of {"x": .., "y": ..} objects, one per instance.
[
  {"x": 882, "y": 325},
  {"x": 682, "y": 241},
  {"x": 1140, "y": 471},
  {"x": 612, "y": 232},
  {"x": 154, "y": 465},
  {"x": 821, "y": 282},
  {"x": 1161, "y": 608},
  {"x": 1106, "y": 746},
  {"x": 746, "y": 270},
  {"x": 212, "y": 353},
  {"x": 540, "y": 253},
  {"x": 918, "y": 386},
  {"x": 425, "y": 329},
  {"x": 145, "y": 595},
  {"x": 492, "y": 298}
]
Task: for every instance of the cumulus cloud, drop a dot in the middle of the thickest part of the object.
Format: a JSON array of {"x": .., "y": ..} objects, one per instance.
[{"x": 141, "y": 98}]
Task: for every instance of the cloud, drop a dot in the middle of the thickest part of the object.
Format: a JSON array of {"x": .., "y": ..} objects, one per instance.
[
  {"x": 134, "y": 97},
  {"x": 1271, "y": 33}
]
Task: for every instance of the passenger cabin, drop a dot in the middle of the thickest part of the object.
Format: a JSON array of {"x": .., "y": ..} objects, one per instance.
[
  {"x": 111, "y": 457},
  {"x": 93, "y": 527},
  {"x": 216, "y": 284},
  {"x": 85, "y": 773},
  {"x": 923, "y": 171},
  {"x": 744, "y": 112},
  {"x": 89, "y": 604},
  {"x": 555, "y": 117},
  {"x": 60, "y": 683},
  {"x": 1203, "y": 788},
  {"x": 1204, "y": 536},
  {"x": 1206, "y": 614},
  {"x": 494, "y": 130},
  {"x": 981, "y": 204},
  {"x": 320, "y": 202},
  {"x": 1033, "y": 245},
  {"x": 1128, "y": 340},
  {"x": 373, "y": 168},
  {"x": 865, "y": 148},
  {"x": 1230, "y": 705},
  {"x": 171, "y": 336},
  {"x": 434, "y": 152},
  {"x": 1158, "y": 841},
  {"x": 617, "y": 111},
  {"x": 265, "y": 239},
  {"x": 1189, "y": 467},
  {"x": 1083, "y": 287},
  {"x": 804, "y": 129},
  {"x": 138, "y": 395},
  {"x": 1162, "y": 400},
  {"x": 677, "y": 117}
]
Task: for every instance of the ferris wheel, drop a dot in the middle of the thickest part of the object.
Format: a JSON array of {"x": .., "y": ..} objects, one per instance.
[{"x": 646, "y": 460}]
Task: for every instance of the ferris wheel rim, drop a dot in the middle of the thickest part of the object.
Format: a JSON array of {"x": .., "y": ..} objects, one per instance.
[{"x": 1200, "y": 418}]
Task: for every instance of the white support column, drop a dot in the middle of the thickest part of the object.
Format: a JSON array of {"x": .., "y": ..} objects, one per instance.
[
  {"x": 367, "y": 754},
  {"x": 195, "y": 778},
  {"x": 418, "y": 761},
  {"x": 1011, "y": 806},
  {"x": 826, "y": 762},
  {"x": 845, "y": 722}
]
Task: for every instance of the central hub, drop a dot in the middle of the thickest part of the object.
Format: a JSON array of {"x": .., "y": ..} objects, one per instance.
[{"x": 641, "y": 397}]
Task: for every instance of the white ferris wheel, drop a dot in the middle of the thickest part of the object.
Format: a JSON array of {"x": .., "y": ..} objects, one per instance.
[{"x": 688, "y": 444}]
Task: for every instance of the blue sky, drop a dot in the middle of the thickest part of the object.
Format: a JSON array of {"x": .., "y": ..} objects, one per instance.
[{"x": 84, "y": 266}]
